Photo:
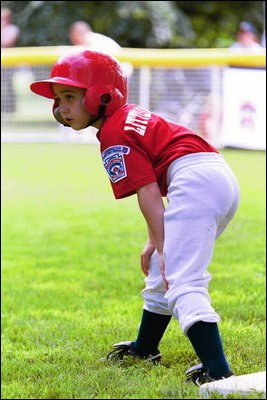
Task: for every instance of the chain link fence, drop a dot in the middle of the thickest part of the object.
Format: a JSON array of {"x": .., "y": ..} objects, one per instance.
[{"x": 182, "y": 95}]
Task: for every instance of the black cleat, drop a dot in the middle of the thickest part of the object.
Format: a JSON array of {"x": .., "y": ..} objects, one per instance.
[
  {"x": 199, "y": 375},
  {"x": 125, "y": 349}
]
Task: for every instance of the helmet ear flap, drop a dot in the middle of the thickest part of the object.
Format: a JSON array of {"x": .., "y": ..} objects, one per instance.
[
  {"x": 57, "y": 114},
  {"x": 103, "y": 95}
]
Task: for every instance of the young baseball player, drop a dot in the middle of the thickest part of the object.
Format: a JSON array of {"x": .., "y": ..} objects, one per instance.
[{"x": 152, "y": 158}]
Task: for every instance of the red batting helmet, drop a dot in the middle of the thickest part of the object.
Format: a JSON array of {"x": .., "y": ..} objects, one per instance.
[{"x": 99, "y": 73}]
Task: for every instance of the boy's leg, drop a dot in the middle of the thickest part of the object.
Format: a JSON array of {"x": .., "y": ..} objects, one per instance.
[
  {"x": 202, "y": 200},
  {"x": 190, "y": 302},
  {"x": 151, "y": 330},
  {"x": 206, "y": 341},
  {"x": 156, "y": 315},
  {"x": 155, "y": 319}
]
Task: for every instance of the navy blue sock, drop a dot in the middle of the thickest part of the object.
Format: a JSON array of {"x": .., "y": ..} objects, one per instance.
[
  {"x": 151, "y": 330},
  {"x": 206, "y": 341}
]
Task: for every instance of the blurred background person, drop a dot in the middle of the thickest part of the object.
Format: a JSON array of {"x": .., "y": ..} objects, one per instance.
[
  {"x": 263, "y": 39},
  {"x": 81, "y": 34},
  {"x": 9, "y": 32},
  {"x": 9, "y": 37},
  {"x": 246, "y": 37}
]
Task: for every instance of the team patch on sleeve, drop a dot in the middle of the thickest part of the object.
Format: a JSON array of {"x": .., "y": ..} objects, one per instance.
[{"x": 113, "y": 160}]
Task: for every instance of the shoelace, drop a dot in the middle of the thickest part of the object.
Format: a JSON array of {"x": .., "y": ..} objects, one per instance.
[
  {"x": 203, "y": 378},
  {"x": 200, "y": 376},
  {"x": 120, "y": 352}
]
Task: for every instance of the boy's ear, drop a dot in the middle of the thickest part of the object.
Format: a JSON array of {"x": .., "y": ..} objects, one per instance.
[{"x": 58, "y": 116}]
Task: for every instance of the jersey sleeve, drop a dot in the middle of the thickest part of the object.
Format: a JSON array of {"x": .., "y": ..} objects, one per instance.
[{"x": 128, "y": 168}]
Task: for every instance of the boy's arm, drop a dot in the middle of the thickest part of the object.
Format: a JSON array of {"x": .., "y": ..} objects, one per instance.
[{"x": 152, "y": 207}]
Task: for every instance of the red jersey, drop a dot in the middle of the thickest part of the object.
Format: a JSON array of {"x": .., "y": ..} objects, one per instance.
[{"x": 137, "y": 147}]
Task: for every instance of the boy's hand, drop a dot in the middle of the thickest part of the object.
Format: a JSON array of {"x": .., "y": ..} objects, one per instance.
[
  {"x": 147, "y": 252},
  {"x": 152, "y": 207},
  {"x": 162, "y": 270}
]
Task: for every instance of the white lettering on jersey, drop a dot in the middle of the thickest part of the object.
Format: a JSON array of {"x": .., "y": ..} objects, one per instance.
[{"x": 137, "y": 120}]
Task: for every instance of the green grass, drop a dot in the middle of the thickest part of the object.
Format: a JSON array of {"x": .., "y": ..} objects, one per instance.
[{"x": 71, "y": 280}]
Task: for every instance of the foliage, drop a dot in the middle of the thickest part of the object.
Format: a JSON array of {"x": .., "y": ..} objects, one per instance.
[
  {"x": 154, "y": 24},
  {"x": 215, "y": 22}
]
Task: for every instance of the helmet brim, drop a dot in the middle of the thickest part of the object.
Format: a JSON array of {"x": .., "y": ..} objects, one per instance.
[{"x": 44, "y": 88}]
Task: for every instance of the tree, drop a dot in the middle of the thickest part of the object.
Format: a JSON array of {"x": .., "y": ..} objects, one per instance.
[{"x": 155, "y": 24}]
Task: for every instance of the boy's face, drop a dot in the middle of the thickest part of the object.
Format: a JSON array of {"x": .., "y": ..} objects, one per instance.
[{"x": 70, "y": 100}]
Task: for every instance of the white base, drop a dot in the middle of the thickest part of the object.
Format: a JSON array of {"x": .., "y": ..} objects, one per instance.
[{"x": 243, "y": 384}]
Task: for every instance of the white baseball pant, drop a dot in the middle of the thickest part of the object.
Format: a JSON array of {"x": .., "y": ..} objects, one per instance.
[{"x": 203, "y": 196}]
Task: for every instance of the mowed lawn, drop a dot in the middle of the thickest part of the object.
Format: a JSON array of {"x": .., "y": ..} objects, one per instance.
[{"x": 71, "y": 280}]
